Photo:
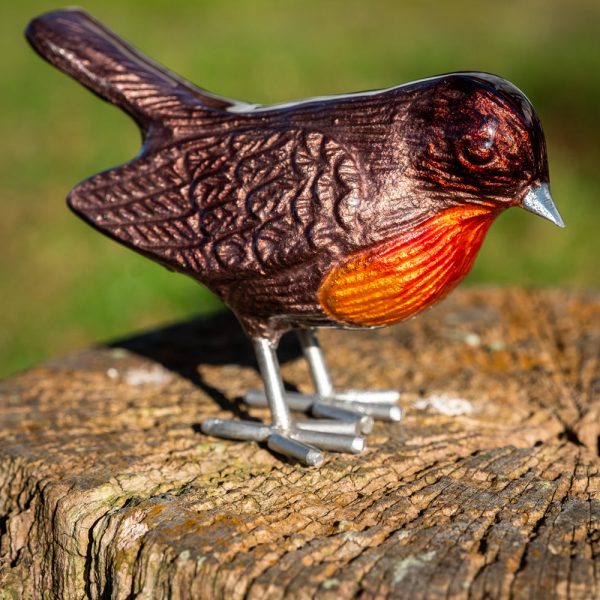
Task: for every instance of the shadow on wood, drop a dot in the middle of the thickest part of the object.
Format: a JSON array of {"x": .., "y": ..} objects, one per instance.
[
  {"x": 490, "y": 488},
  {"x": 217, "y": 341}
]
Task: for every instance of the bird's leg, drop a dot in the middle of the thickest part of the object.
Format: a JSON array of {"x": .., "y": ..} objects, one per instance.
[
  {"x": 383, "y": 399},
  {"x": 316, "y": 363},
  {"x": 344, "y": 406},
  {"x": 300, "y": 440}
]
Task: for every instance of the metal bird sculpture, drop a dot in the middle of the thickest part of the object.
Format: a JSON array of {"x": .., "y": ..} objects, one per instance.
[{"x": 345, "y": 211}]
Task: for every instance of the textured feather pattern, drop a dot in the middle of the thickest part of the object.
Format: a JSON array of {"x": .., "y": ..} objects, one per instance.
[
  {"x": 253, "y": 202},
  {"x": 399, "y": 278}
]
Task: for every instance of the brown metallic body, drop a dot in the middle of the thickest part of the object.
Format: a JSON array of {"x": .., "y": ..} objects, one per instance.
[{"x": 260, "y": 203}]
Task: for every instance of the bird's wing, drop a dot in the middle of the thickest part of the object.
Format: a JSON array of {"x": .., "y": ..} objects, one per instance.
[
  {"x": 254, "y": 200},
  {"x": 145, "y": 204}
]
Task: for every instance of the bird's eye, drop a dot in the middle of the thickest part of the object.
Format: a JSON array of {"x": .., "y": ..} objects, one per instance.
[{"x": 477, "y": 148}]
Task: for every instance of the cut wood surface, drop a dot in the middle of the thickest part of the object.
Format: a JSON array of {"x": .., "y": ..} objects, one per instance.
[{"x": 489, "y": 488}]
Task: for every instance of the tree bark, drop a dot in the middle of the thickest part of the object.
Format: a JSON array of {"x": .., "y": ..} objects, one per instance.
[{"x": 489, "y": 488}]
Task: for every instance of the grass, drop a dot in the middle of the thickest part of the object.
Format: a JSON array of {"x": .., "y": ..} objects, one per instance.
[{"x": 63, "y": 286}]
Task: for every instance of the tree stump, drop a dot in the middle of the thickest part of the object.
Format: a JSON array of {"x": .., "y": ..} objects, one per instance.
[{"x": 489, "y": 488}]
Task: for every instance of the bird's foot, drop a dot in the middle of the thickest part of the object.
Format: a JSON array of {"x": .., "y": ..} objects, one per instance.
[
  {"x": 345, "y": 406},
  {"x": 304, "y": 441},
  {"x": 340, "y": 419}
]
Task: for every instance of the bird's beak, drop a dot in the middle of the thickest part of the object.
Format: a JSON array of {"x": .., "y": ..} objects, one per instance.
[{"x": 539, "y": 201}]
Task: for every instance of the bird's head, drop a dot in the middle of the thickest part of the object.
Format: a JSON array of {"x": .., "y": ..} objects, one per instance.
[
  {"x": 475, "y": 139},
  {"x": 465, "y": 147}
]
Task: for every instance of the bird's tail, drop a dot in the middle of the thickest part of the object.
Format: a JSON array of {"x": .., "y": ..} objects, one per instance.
[{"x": 86, "y": 50}]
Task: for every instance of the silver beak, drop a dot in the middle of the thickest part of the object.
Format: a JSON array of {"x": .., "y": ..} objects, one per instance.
[{"x": 539, "y": 201}]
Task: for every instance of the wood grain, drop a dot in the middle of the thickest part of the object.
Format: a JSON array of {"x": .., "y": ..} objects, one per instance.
[{"x": 490, "y": 488}]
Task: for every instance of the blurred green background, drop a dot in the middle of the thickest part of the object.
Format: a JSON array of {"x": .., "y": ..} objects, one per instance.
[{"x": 63, "y": 286}]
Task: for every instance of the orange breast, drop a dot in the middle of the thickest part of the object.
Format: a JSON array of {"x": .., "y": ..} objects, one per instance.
[{"x": 398, "y": 278}]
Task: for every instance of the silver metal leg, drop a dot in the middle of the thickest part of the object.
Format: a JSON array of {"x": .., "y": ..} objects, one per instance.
[
  {"x": 303, "y": 441},
  {"x": 269, "y": 369},
  {"x": 329, "y": 403},
  {"x": 316, "y": 362},
  {"x": 322, "y": 381},
  {"x": 379, "y": 404}
]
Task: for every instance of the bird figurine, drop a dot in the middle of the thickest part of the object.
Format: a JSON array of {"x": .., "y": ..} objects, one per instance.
[{"x": 352, "y": 211}]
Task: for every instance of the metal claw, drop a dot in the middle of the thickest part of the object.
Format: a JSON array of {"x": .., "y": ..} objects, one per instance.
[
  {"x": 304, "y": 453},
  {"x": 381, "y": 412},
  {"x": 330, "y": 441},
  {"x": 295, "y": 400},
  {"x": 235, "y": 430},
  {"x": 331, "y": 426},
  {"x": 331, "y": 411}
]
